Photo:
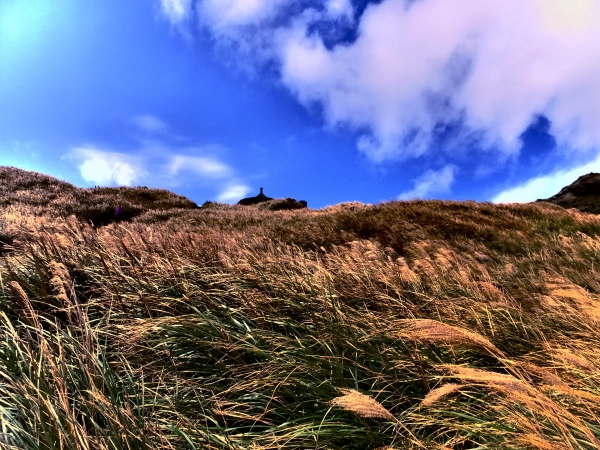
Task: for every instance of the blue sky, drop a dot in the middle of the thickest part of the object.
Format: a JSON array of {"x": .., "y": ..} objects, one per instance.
[{"x": 320, "y": 100}]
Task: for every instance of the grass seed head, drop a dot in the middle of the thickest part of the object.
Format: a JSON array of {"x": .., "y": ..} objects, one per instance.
[
  {"x": 26, "y": 310},
  {"x": 537, "y": 442},
  {"x": 361, "y": 404},
  {"x": 426, "y": 330},
  {"x": 437, "y": 394}
]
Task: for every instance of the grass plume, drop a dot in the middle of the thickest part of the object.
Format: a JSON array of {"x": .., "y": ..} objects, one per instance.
[{"x": 361, "y": 404}]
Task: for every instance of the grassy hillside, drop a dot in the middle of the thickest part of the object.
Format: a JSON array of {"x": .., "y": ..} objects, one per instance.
[
  {"x": 45, "y": 195},
  {"x": 421, "y": 325}
]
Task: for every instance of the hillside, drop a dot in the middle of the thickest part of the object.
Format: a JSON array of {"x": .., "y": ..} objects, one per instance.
[
  {"x": 45, "y": 195},
  {"x": 404, "y": 325},
  {"x": 583, "y": 194}
]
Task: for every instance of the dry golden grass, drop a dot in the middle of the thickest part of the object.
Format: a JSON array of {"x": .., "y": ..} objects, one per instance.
[
  {"x": 42, "y": 195},
  {"x": 437, "y": 394},
  {"x": 361, "y": 404},
  {"x": 426, "y": 330},
  {"x": 25, "y": 308},
  {"x": 508, "y": 384},
  {"x": 522, "y": 393},
  {"x": 537, "y": 442},
  {"x": 236, "y": 327},
  {"x": 568, "y": 358}
]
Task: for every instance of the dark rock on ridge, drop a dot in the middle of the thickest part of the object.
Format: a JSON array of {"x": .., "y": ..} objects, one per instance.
[
  {"x": 255, "y": 200},
  {"x": 583, "y": 194},
  {"x": 273, "y": 204}
]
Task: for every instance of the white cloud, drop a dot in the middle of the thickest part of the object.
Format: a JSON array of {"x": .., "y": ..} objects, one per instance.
[
  {"x": 494, "y": 64},
  {"x": 159, "y": 165},
  {"x": 223, "y": 15},
  {"x": 431, "y": 182},
  {"x": 201, "y": 165},
  {"x": 177, "y": 11},
  {"x": 149, "y": 123},
  {"x": 496, "y": 61},
  {"x": 208, "y": 169},
  {"x": 567, "y": 15},
  {"x": 107, "y": 168},
  {"x": 234, "y": 192},
  {"x": 545, "y": 186},
  {"x": 339, "y": 8}
]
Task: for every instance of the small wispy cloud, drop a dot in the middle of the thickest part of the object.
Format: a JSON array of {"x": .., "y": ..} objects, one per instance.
[
  {"x": 200, "y": 165},
  {"x": 160, "y": 164},
  {"x": 339, "y": 8},
  {"x": 223, "y": 16},
  {"x": 107, "y": 168},
  {"x": 233, "y": 193},
  {"x": 431, "y": 182},
  {"x": 545, "y": 186},
  {"x": 207, "y": 170},
  {"x": 176, "y": 11},
  {"x": 149, "y": 123}
]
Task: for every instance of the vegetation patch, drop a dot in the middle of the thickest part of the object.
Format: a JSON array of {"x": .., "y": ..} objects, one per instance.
[
  {"x": 419, "y": 325},
  {"x": 286, "y": 204},
  {"x": 43, "y": 195}
]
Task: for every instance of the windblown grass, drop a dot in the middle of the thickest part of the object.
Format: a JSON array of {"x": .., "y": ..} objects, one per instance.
[{"x": 451, "y": 325}]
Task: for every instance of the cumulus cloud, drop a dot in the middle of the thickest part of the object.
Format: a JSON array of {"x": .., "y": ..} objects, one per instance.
[
  {"x": 491, "y": 66},
  {"x": 430, "y": 183},
  {"x": 545, "y": 186},
  {"x": 108, "y": 168}
]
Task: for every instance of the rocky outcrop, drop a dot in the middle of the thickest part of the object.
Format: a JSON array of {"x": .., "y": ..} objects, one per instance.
[
  {"x": 583, "y": 194},
  {"x": 273, "y": 204},
  {"x": 255, "y": 200}
]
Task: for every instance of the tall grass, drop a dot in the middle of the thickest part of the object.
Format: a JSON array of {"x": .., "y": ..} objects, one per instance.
[{"x": 437, "y": 325}]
